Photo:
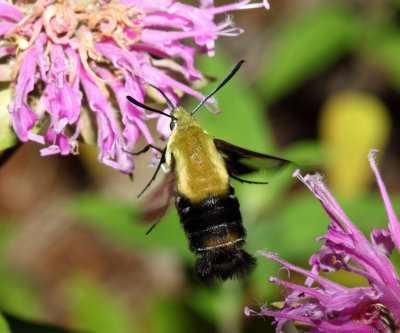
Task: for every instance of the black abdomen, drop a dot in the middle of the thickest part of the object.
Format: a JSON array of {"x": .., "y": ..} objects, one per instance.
[{"x": 215, "y": 232}]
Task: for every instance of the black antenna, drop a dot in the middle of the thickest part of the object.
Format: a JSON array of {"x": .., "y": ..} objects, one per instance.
[
  {"x": 172, "y": 106},
  {"x": 229, "y": 76},
  {"x": 137, "y": 103}
]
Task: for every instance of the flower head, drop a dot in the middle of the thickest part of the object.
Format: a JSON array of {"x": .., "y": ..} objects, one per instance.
[
  {"x": 74, "y": 62},
  {"x": 331, "y": 307}
]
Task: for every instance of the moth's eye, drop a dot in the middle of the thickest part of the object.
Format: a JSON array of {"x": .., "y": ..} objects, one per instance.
[{"x": 172, "y": 125}]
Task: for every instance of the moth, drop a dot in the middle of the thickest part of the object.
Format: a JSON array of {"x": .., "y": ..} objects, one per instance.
[{"x": 199, "y": 168}]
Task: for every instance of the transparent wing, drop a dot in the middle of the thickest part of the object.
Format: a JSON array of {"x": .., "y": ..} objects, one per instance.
[
  {"x": 241, "y": 161},
  {"x": 156, "y": 204}
]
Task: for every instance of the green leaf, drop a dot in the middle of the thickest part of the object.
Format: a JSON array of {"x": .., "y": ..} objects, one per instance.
[
  {"x": 396, "y": 2},
  {"x": 98, "y": 311},
  {"x": 87, "y": 127},
  {"x": 18, "y": 295},
  {"x": 304, "y": 46},
  {"x": 18, "y": 325},
  {"x": 121, "y": 223},
  {"x": 3, "y": 325},
  {"x": 7, "y": 135},
  {"x": 167, "y": 316},
  {"x": 385, "y": 48},
  {"x": 218, "y": 301},
  {"x": 291, "y": 233},
  {"x": 206, "y": 303}
]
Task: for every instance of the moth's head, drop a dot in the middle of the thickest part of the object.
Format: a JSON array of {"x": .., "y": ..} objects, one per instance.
[{"x": 181, "y": 117}]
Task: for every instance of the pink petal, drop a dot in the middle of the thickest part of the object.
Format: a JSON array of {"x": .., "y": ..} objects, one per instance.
[
  {"x": 109, "y": 138},
  {"x": 7, "y": 50},
  {"x": 5, "y": 27},
  {"x": 23, "y": 116},
  {"x": 10, "y": 13},
  {"x": 382, "y": 241},
  {"x": 394, "y": 226}
]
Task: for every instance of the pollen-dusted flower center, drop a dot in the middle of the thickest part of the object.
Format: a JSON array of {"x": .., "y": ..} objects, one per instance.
[
  {"x": 63, "y": 20},
  {"x": 60, "y": 23}
]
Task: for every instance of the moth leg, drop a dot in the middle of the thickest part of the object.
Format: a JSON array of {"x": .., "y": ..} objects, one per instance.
[
  {"x": 247, "y": 181},
  {"x": 146, "y": 148},
  {"x": 162, "y": 160}
]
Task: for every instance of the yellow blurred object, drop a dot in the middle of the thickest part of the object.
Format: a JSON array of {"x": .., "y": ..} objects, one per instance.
[{"x": 351, "y": 123}]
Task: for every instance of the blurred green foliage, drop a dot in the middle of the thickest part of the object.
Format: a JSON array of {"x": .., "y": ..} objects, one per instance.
[
  {"x": 7, "y": 136},
  {"x": 115, "y": 220},
  {"x": 95, "y": 310},
  {"x": 277, "y": 219},
  {"x": 307, "y": 44},
  {"x": 17, "y": 295},
  {"x": 4, "y": 325}
]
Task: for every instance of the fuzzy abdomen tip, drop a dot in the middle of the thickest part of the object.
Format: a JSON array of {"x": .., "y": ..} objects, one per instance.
[{"x": 222, "y": 265}]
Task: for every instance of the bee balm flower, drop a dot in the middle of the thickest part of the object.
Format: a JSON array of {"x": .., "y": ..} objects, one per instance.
[
  {"x": 73, "y": 63},
  {"x": 331, "y": 307}
]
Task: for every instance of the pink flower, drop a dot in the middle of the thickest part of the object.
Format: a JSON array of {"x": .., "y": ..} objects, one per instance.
[
  {"x": 328, "y": 306},
  {"x": 74, "y": 63}
]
